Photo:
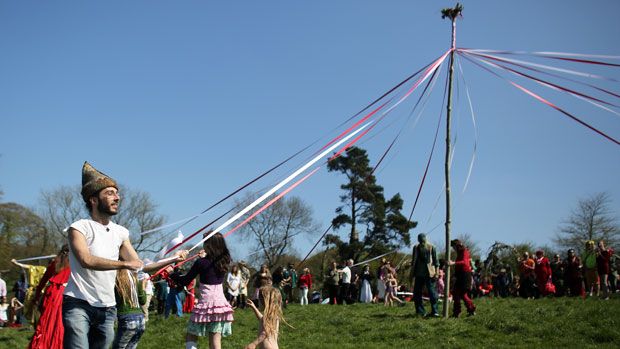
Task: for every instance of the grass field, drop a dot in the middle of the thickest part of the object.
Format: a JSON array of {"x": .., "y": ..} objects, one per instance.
[{"x": 543, "y": 323}]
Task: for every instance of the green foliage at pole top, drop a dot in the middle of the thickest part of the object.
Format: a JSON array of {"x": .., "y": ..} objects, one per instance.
[{"x": 452, "y": 13}]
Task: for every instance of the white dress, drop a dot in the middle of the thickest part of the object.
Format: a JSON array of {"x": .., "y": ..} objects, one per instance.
[
  {"x": 233, "y": 281},
  {"x": 366, "y": 290}
]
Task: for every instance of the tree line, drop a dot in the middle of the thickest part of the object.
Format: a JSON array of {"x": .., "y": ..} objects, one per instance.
[{"x": 372, "y": 223}]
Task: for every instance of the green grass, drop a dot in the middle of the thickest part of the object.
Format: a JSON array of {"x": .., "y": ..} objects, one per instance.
[{"x": 544, "y": 323}]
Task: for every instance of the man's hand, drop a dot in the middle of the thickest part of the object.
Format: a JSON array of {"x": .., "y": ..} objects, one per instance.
[
  {"x": 181, "y": 255},
  {"x": 169, "y": 269},
  {"x": 135, "y": 265}
]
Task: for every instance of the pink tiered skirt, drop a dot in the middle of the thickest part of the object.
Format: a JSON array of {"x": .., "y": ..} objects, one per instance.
[{"x": 213, "y": 313}]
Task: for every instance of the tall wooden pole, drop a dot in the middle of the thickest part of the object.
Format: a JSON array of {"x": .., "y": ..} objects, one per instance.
[{"x": 452, "y": 14}]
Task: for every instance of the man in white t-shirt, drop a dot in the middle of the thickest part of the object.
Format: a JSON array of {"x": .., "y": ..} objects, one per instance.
[
  {"x": 345, "y": 287},
  {"x": 98, "y": 248}
]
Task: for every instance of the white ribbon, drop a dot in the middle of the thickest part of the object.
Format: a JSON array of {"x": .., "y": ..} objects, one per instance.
[
  {"x": 281, "y": 184},
  {"x": 36, "y": 258}
]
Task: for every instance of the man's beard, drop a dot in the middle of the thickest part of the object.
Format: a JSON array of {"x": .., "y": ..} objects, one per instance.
[{"x": 103, "y": 208}]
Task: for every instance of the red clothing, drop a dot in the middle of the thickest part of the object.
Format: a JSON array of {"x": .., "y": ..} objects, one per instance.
[
  {"x": 463, "y": 261},
  {"x": 543, "y": 274},
  {"x": 50, "y": 331},
  {"x": 49, "y": 272},
  {"x": 602, "y": 261},
  {"x": 188, "y": 305},
  {"x": 305, "y": 281},
  {"x": 573, "y": 277},
  {"x": 527, "y": 267},
  {"x": 485, "y": 288}
]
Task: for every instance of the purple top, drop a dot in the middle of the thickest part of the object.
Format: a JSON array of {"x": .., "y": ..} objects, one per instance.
[{"x": 202, "y": 267}]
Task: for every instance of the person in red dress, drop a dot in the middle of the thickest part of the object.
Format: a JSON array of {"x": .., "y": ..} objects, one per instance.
[
  {"x": 188, "y": 305},
  {"x": 463, "y": 283},
  {"x": 49, "y": 332},
  {"x": 543, "y": 273},
  {"x": 603, "y": 258}
]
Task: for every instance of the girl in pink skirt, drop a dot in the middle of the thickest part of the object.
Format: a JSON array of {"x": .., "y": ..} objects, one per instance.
[{"x": 213, "y": 315}]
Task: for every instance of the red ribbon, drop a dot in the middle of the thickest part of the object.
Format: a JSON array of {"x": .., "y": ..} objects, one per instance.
[
  {"x": 541, "y": 99},
  {"x": 162, "y": 270}
]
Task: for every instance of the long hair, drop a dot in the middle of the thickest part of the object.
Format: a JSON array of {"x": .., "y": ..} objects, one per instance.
[
  {"x": 124, "y": 281},
  {"x": 62, "y": 258},
  {"x": 271, "y": 298},
  {"x": 217, "y": 252}
]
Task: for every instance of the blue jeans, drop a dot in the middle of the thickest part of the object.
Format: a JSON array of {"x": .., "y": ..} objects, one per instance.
[
  {"x": 87, "y": 326},
  {"x": 173, "y": 297},
  {"x": 418, "y": 286},
  {"x": 130, "y": 329}
]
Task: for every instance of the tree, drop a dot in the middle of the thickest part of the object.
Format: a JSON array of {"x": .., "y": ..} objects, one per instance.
[
  {"x": 272, "y": 230},
  {"x": 364, "y": 205},
  {"x": 468, "y": 241},
  {"x": 138, "y": 212},
  {"x": 22, "y": 233},
  {"x": 591, "y": 220},
  {"x": 503, "y": 255}
]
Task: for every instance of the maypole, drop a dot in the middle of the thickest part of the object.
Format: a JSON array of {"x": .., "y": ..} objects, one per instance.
[{"x": 451, "y": 13}]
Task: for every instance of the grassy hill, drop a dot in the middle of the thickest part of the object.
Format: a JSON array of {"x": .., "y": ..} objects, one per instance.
[{"x": 544, "y": 323}]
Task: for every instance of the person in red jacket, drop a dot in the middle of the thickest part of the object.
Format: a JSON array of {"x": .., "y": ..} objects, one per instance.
[
  {"x": 305, "y": 284},
  {"x": 463, "y": 275},
  {"x": 543, "y": 273}
]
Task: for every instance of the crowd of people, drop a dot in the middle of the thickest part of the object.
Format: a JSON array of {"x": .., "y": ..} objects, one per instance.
[
  {"x": 97, "y": 280},
  {"x": 595, "y": 273}
]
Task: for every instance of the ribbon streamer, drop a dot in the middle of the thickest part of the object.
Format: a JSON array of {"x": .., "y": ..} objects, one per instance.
[
  {"x": 35, "y": 258},
  {"x": 543, "y": 66},
  {"x": 198, "y": 231},
  {"x": 315, "y": 245},
  {"x": 280, "y": 185},
  {"x": 541, "y": 99},
  {"x": 375, "y": 258},
  {"x": 473, "y": 121},
  {"x": 174, "y": 266}
]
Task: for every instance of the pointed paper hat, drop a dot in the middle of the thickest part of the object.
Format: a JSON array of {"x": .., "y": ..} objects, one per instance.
[{"x": 93, "y": 181}]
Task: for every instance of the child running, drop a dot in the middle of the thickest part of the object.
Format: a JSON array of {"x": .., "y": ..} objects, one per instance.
[
  {"x": 130, "y": 296},
  {"x": 271, "y": 300},
  {"x": 390, "y": 293},
  {"x": 213, "y": 315}
]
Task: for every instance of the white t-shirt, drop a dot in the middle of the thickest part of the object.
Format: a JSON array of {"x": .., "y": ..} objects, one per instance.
[
  {"x": 96, "y": 286},
  {"x": 233, "y": 283},
  {"x": 346, "y": 275},
  {"x": 3, "y": 312}
]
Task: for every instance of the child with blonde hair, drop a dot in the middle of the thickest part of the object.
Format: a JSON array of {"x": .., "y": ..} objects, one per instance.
[
  {"x": 271, "y": 300},
  {"x": 391, "y": 286},
  {"x": 130, "y": 296}
]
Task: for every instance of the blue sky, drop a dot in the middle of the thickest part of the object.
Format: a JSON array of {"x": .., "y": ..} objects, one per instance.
[{"x": 189, "y": 100}]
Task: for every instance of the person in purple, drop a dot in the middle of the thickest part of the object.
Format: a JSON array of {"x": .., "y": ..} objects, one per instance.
[{"x": 213, "y": 315}]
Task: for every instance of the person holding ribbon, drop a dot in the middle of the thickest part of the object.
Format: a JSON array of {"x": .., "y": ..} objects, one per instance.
[
  {"x": 49, "y": 331},
  {"x": 213, "y": 315},
  {"x": 35, "y": 274},
  {"x": 98, "y": 248},
  {"x": 463, "y": 279}
]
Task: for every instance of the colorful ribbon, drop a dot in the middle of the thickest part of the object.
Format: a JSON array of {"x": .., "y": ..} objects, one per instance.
[{"x": 543, "y": 100}]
